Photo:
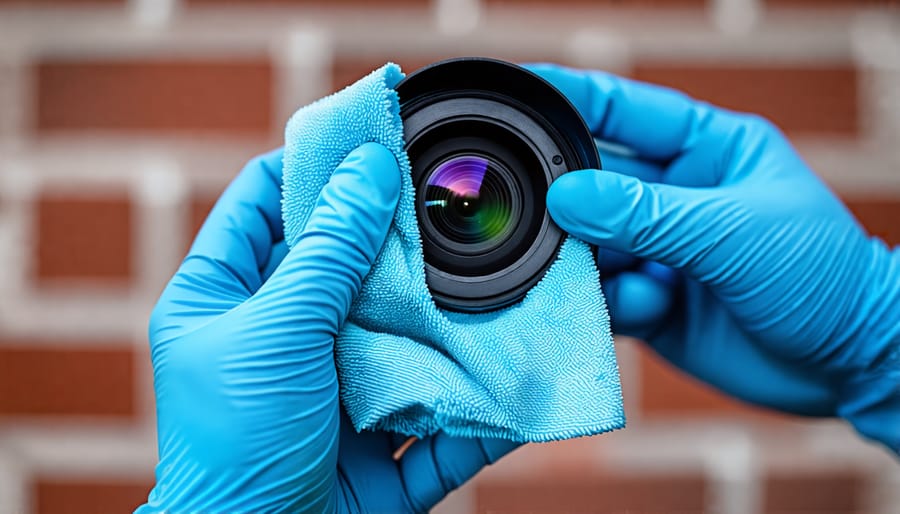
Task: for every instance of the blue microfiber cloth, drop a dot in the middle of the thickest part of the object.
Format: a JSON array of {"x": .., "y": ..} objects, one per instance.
[{"x": 540, "y": 370}]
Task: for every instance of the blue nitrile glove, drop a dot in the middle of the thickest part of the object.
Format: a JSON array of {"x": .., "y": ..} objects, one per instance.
[
  {"x": 246, "y": 388},
  {"x": 779, "y": 297}
]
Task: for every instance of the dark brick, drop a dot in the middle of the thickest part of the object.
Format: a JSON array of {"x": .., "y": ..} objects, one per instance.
[
  {"x": 606, "y": 3},
  {"x": 667, "y": 392},
  {"x": 596, "y": 494},
  {"x": 226, "y": 96},
  {"x": 73, "y": 380},
  {"x": 312, "y": 3},
  {"x": 87, "y": 238},
  {"x": 801, "y": 99},
  {"x": 100, "y": 494},
  {"x": 833, "y": 492},
  {"x": 879, "y": 214},
  {"x": 61, "y": 3}
]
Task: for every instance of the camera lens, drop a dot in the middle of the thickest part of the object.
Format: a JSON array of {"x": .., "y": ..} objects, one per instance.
[
  {"x": 472, "y": 202},
  {"x": 485, "y": 140}
]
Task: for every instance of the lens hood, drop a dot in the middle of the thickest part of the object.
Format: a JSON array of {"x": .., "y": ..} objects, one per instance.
[{"x": 485, "y": 139}]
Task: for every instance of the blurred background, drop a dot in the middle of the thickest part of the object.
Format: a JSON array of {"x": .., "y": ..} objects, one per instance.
[{"x": 122, "y": 120}]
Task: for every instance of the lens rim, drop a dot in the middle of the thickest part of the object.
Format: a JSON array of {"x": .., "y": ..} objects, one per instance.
[{"x": 514, "y": 101}]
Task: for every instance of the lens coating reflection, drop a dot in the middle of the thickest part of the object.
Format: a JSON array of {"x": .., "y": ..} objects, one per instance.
[{"x": 468, "y": 202}]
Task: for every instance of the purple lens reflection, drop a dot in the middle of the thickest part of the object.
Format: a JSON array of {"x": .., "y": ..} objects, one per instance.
[{"x": 461, "y": 175}]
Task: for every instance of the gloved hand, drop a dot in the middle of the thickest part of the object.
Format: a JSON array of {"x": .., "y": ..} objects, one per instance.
[
  {"x": 778, "y": 297},
  {"x": 246, "y": 388}
]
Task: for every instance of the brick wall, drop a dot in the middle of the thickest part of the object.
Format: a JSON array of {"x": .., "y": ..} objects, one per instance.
[{"x": 122, "y": 120}]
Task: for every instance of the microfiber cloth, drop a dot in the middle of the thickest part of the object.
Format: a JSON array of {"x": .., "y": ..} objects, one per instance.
[{"x": 542, "y": 369}]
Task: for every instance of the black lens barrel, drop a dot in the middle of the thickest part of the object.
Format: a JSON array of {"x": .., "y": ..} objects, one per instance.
[{"x": 486, "y": 233}]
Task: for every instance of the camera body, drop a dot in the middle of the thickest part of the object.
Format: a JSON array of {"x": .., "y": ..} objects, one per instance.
[{"x": 485, "y": 139}]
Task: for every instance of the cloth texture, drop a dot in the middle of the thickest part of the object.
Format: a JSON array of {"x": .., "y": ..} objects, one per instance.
[{"x": 542, "y": 369}]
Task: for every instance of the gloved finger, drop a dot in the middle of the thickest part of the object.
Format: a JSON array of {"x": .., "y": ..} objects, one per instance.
[
  {"x": 235, "y": 242},
  {"x": 322, "y": 273},
  {"x": 637, "y": 302},
  {"x": 436, "y": 465},
  {"x": 610, "y": 261},
  {"x": 657, "y": 122},
  {"x": 655, "y": 222}
]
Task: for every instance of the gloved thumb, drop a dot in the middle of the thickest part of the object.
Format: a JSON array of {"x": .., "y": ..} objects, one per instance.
[
  {"x": 656, "y": 222},
  {"x": 322, "y": 273}
]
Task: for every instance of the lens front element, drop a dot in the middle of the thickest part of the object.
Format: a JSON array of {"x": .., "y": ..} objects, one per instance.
[{"x": 472, "y": 203}]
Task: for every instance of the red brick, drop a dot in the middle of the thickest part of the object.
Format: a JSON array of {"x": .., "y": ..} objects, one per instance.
[
  {"x": 80, "y": 379},
  {"x": 97, "y": 494},
  {"x": 596, "y": 494},
  {"x": 199, "y": 209},
  {"x": 86, "y": 238},
  {"x": 801, "y": 99},
  {"x": 306, "y": 3},
  {"x": 667, "y": 392},
  {"x": 879, "y": 214},
  {"x": 606, "y": 3},
  {"x": 347, "y": 70},
  {"x": 836, "y": 492},
  {"x": 66, "y": 3},
  {"x": 226, "y": 96},
  {"x": 828, "y": 3}
]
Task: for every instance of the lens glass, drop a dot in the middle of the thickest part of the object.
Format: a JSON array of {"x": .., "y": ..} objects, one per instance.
[{"x": 470, "y": 201}]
